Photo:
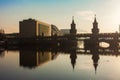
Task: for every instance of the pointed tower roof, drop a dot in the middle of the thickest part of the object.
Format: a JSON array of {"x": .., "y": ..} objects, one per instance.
[
  {"x": 95, "y": 20},
  {"x": 119, "y": 28},
  {"x": 73, "y": 20}
]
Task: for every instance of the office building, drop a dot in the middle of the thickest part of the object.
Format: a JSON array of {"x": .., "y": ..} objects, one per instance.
[{"x": 33, "y": 28}]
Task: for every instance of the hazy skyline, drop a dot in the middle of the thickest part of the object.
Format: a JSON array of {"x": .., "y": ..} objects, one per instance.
[{"x": 60, "y": 12}]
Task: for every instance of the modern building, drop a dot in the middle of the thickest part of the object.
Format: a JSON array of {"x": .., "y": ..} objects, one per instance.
[
  {"x": 34, "y": 28},
  {"x": 55, "y": 30}
]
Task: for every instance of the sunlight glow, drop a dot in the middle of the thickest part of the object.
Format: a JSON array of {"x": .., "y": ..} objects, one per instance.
[{"x": 104, "y": 45}]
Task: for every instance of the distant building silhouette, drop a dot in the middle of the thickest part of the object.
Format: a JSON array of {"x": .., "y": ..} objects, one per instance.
[
  {"x": 73, "y": 30},
  {"x": 95, "y": 29},
  {"x": 33, "y": 28},
  {"x": 55, "y": 30},
  {"x": 65, "y": 31},
  {"x": 2, "y": 31}
]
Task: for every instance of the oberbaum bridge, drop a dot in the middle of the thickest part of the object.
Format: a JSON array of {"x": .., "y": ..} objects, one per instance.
[{"x": 90, "y": 39}]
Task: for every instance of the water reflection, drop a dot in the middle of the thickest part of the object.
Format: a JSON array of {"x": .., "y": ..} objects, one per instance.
[
  {"x": 33, "y": 58},
  {"x": 73, "y": 57},
  {"x": 42, "y": 61},
  {"x": 2, "y": 53},
  {"x": 95, "y": 57}
]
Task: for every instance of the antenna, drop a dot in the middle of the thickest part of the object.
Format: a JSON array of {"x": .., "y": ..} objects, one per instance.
[
  {"x": 119, "y": 28},
  {"x": 95, "y": 15},
  {"x": 72, "y": 17}
]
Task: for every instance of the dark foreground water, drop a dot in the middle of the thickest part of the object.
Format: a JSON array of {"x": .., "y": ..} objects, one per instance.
[{"x": 46, "y": 65}]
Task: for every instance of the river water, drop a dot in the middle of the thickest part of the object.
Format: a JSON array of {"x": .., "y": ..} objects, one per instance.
[{"x": 30, "y": 64}]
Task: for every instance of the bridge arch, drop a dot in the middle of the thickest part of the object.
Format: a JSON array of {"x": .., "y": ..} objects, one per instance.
[{"x": 103, "y": 44}]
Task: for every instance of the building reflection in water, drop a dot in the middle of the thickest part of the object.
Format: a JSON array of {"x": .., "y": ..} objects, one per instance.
[
  {"x": 95, "y": 57},
  {"x": 33, "y": 58},
  {"x": 2, "y": 53},
  {"x": 73, "y": 57}
]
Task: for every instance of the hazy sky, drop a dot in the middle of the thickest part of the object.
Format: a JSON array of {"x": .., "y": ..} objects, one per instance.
[{"x": 60, "y": 12}]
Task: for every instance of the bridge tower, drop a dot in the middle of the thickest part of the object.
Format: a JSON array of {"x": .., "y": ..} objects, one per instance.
[
  {"x": 73, "y": 30},
  {"x": 95, "y": 32},
  {"x": 95, "y": 29}
]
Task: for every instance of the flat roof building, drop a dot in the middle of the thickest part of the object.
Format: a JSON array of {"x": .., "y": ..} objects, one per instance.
[
  {"x": 34, "y": 28},
  {"x": 65, "y": 31}
]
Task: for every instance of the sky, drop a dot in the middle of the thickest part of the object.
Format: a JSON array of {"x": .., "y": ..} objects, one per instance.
[{"x": 60, "y": 12}]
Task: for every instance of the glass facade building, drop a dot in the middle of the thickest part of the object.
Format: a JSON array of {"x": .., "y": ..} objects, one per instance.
[{"x": 34, "y": 28}]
